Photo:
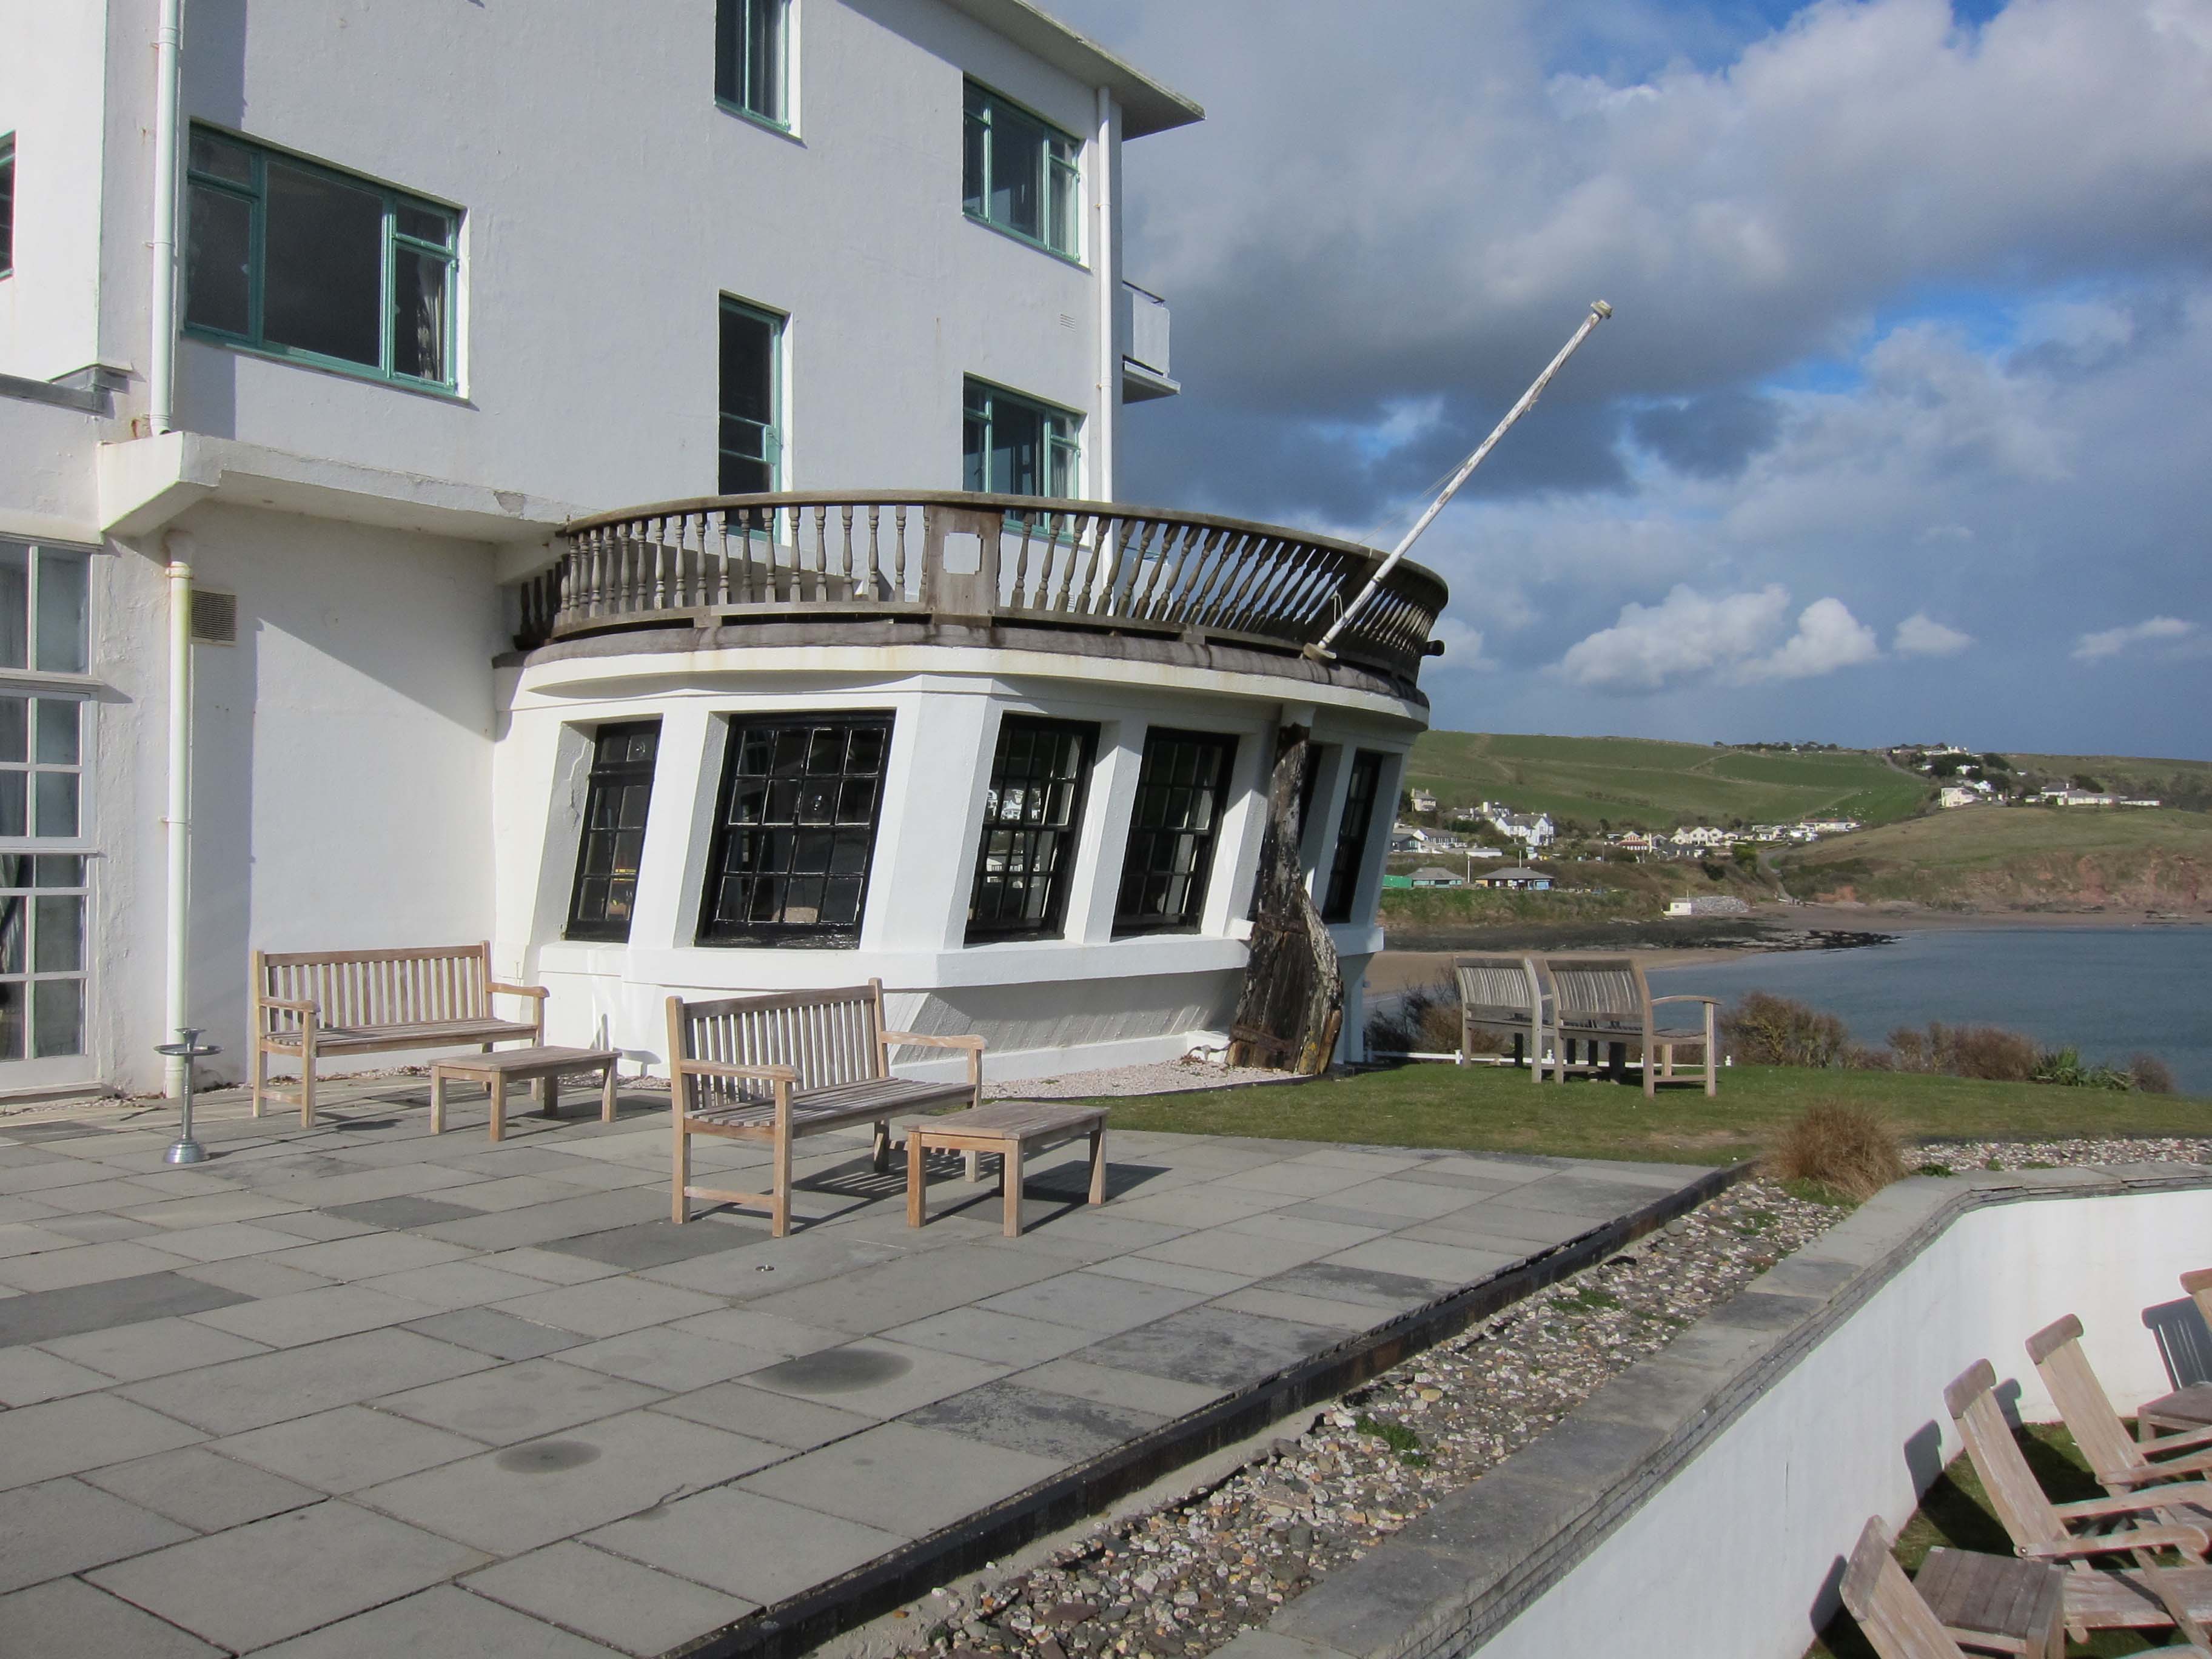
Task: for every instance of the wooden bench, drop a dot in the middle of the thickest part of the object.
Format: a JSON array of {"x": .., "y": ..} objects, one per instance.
[
  {"x": 1606, "y": 1000},
  {"x": 774, "y": 1068},
  {"x": 310, "y": 1004},
  {"x": 1505, "y": 995}
]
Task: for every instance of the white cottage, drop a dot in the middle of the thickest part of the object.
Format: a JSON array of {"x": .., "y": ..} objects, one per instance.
[{"x": 339, "y": 345}]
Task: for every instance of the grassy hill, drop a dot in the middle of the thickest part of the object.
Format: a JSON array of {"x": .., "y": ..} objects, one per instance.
[
  {"x": 2177, "y": 782},
  {"x": 2018, "y": 858},
  {"x": 1635, "y": 780}
]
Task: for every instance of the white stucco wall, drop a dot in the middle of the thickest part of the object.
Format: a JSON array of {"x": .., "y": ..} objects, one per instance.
[{"x": 1739, "y": 1553}]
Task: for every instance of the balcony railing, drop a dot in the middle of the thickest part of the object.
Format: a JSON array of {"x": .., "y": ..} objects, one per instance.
[{"x": 1013, "y": 562}]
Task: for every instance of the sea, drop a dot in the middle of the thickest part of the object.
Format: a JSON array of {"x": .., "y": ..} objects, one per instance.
[{"x": 2111, "y": 992}]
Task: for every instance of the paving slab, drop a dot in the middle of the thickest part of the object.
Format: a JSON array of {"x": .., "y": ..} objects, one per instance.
[
  {"x": 198, "y": 1489},
  {"x": 451, "y": 1284},
  {"x": 346, "y": 1449},
  {"x": 763, "y": 1414},
  {"x": 664, "y": 1358},
  {"x": 899, "y": 1476},
  {"x": 507, "y": 1404},
  {"x": 29, "y": 1376},
  {"x": 316, "y": 1315},
  {"x": 517, "y": 1498},
  {"x": 260, "y": 1584},
  {"x": 875, "y": 1377},
  {"x": 789, "y": 1547},
  {"x": 67, "y": 1619},
  {"x": 152, "y": 1347},
  {"x": 1062, "y": 1428},
  {"x": 634, "y": 1609},
  {"x": 1097, "y": 1301},
  {"x": 502, "y": 1336},
  {"x": 62, "y": 1437},
  {"x": 1214, "y": 1345},
  {"x": 272, "y": 1387},
  {"x": 435, "y": 1622},
  {"x": 85, "y": 1264},
  {"x": 1003, "y": 1338},
  {"x": 608, "y": 1307},
  {"x": 61, "y": 1526}
]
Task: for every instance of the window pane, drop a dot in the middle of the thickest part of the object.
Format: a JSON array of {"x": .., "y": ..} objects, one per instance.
[
  {"x": 974, "y": 168},
  {"x": 7, "y": 207},
  {"x": 1017, "y": 158},
  {"x": 56, "y": 1018},
  {"x": 218, "y": 253},
  {"x": 322, "y": 263},
  {"x": 15, "y": 719},
  {"x": 764, "y": 59},
  {"x": 1032, "y": 814},
  {"x": 1350, "y": 853},
  {"x": 14, "y": 606},
  {"x": 12, "y": 804},
  {"x": 729, "y": 49},
  {"x": 61, "y": 582},
  {"x": 12, "y": 992},
  {"x": 615, "y": 810},
  {"x": 59, "y": 935},
  {"x": 55, "y": 796},
  {"x": 54, "y": 869},
  {"x": 421, "y": 283},
  {"x": 57, "y": 730},
  {"x": 1061, "y": 179},
  {"x": 423, "y": 224},
  {"x": 748, "y": 439},
  {"x": 14, "y": 921},
  {"x": 1170, "y": 853},
  {"x": 221, "y": 159}
]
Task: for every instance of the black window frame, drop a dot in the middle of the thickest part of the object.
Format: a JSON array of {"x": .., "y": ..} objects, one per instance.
[
  {"x": 712, "y": 931},
  {"x": 406, "y": 224},
  {"x": 609, "y": 776},
  {"x": 1348, "y": 858},
  {"x": 1140, "y": 863},
  {"x": 7, "y": 204},
  {"x": 1034, "y": 832}
]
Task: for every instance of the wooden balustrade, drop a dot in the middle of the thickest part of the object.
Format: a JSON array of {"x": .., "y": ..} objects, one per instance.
[{"x": 1010, "y": 560}]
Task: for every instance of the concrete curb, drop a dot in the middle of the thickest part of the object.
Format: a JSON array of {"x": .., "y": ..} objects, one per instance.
[{"x": 1461, "y": 1573}]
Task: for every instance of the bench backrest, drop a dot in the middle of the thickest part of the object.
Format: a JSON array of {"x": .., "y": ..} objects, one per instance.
[
  {"x": 1598, "y": 987},
  {"x": 1497, "y": 985},
  {"x": 828, "y": 1038},
  {"x": 353, "y": 988}
]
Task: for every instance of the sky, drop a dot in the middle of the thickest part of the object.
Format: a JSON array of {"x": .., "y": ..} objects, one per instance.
[{"x": 1902, "y": 430}]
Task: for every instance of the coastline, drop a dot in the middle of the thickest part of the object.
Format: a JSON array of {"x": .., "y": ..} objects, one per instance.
[{"x": 1770, "y": 928}]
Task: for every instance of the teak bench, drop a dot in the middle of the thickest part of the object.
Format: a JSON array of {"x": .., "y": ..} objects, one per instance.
[
  {"x": 1606, "y": 1000},
  {"x": 1505, "y": 995},
  {"x": 308, "y": 1003},
  {"x": 774, "y": 1068}
]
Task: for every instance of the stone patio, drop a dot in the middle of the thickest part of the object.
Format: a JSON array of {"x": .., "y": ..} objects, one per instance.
[{"x": 358, "y": 1390}]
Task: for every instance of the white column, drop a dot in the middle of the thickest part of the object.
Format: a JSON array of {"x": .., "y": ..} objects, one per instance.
[{"x": 1106, "y": 266}]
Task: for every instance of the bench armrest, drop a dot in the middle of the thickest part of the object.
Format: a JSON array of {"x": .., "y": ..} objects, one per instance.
[
  {"x": 2118, "y": 1543},
  {"x": 892, "y": 1039},
  {"x": 1711, "y": 1002},
  {"x": 288, "y": 1007},
  {"x": 498, "y": 989},
  {"x": 2158, "y": 1498},
  {"x": 722, "y": 1068},
  {"x": 2197, "y": 1463}
]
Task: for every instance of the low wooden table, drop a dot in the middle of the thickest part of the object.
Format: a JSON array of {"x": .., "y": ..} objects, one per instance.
[
  {"x": 1995, "y": 1595},
  {"x": 1011, "y": 1128},
  {"x": 543, "y": 1066}
]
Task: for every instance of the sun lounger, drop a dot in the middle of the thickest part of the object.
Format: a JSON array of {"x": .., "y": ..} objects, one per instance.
[
  {"x": 2013, "y": 1607},
  {"x": 2119, "y": 1463},
  {"x": 2190, "y": 1405}
]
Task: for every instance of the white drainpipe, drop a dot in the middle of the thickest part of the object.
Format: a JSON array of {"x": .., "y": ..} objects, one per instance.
[
  {"x": 1103, "y": 253},
  {"x": 162, "y": 367},
  {"x": 178, "y": 822}
]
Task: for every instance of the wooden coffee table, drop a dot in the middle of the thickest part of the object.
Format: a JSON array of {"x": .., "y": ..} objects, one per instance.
[
  {"x": 543, "y": 1066},
  {"x": 1011, "y": 1128}
]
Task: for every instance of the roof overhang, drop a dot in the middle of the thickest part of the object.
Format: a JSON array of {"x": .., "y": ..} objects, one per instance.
[{"x": 1147, "y": 106}]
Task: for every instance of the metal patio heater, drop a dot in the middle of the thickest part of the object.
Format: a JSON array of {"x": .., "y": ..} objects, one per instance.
[{"x": 187, "y": 1150}]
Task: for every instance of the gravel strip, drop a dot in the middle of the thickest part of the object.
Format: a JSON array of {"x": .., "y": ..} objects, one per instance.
[{"x": 1956, "y": 1155}]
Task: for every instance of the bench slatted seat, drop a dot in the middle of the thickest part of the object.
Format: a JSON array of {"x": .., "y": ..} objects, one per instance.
[
  {"x": 1606, "y": 1000},
  {"x": 308, "y": 1003},
  {"x": 1505, "y": 995},
  {"x": 776, "y": 1068}
]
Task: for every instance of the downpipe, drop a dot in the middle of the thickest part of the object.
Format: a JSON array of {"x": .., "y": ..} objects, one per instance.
[
  {"x": 162, "y": 365},
  {"x": 177, "y": 822}
]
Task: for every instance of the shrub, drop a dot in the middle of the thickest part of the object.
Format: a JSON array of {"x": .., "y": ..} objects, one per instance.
[
  {"x": 1987, "y": 1052},
  {"x": 1844, "y": 1147},
  {"x": 1761, "y": 1028},
  {"x": 2066, "y": 1067},
  {"x": 2153, "y": 1076},
  {"x": 1426, "y": 1022}
]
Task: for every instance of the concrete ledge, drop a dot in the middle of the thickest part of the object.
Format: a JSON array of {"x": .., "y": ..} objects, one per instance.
[{"x": 1461, "y": 1576}]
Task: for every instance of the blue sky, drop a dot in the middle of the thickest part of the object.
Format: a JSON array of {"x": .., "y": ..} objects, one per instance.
[{"x": 1901, "y": 426}]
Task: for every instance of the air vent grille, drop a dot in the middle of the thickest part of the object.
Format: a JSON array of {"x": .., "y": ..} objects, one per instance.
[{"x": 215, "y": 618}]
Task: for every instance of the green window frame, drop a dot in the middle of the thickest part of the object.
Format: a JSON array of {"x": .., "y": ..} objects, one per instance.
[
  {"x": 1021, "y": 174},
  {"x": 752, "y": 59},
  {"x": 6, "y": 204},
  {"x": 1348, "y": 858},
  {"x": 292, "y": 258},
  {"x": 749, "y": 443},
  {"x": 1011, "y": 444}
]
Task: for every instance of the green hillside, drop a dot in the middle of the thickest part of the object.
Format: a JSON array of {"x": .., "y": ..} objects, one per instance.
[
  {"x": 1636, "y": 780},
  {"x": 2184, "y": 783}
]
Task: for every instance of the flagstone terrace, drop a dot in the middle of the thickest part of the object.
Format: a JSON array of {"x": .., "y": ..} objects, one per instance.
[{"x": 359, "y": 1389}]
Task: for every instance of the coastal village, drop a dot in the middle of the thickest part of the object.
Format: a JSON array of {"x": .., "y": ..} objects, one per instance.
[{"x": 735, "y": 923}]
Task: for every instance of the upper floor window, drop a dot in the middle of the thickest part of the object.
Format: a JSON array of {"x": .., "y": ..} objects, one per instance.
[
  {"x": 1182, "y": 787},
  {"x": 1349, "y": 856},
  {"x": 1015, "y": 446},
  {"x": 1031, "y": 818},
  {"x": 751, "y": 440},
  {"x": 615, "y": 803},
  {"x": 795, "y": 830},
  {"x": 290, "y": 257},
  {"x": 6, "y": 204},
  {"x": 1020, "y": 173},
  {"x": 752, "y": 56}
]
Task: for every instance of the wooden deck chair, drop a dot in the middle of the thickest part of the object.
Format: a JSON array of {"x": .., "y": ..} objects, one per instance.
[
  {"x": 2075, "y": 1533},
  {"x": 2190, "y": 1405},
  {"x": 1900, "y": 1624},
  {"x": 2120, "y": 1464}
]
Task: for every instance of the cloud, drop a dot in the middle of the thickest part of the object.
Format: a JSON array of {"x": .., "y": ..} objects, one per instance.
[
  {"x": 1462, "y": 647},
  {"x": 1921, "y": 635},
  {"x": 1828, "y": 637},
  {"x": 2112, "y": 641},
  {"x": 1686, "y": 634}
]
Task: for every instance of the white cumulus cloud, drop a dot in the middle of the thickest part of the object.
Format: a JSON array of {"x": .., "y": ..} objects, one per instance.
[
  {"x": 1462, "y": 646},
  {"x": 1921, "y": 635},
  {"x": 2111, "y": 641},
  {"x": 1828, "y": 637},
  {"x": 1686, "y": 634}
]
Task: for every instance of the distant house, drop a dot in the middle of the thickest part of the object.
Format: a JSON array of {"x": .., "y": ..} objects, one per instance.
[
  {"x": 1703, "y": 834},
  {"x": 1831, "y": 826},
  {"x": 1532, "y": 832},
  {"x": 1514, "y": 877},
  {"x": 2081, "y": 798},
  {"x": 1422, "y": 800},
  {"x": 1435, "y": 875},
  {"x": 1957, "y": 794}
]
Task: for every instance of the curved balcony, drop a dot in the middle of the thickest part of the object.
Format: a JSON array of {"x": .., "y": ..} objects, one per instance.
[{"x": 1007, "y": 562}]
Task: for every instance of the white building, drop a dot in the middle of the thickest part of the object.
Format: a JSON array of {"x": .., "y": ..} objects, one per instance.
[{"x": 450, "y": 278}]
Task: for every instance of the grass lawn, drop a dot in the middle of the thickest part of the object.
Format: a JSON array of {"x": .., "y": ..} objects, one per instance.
[
  {"x": 1493, "y": 1108},
  {"x": 1954, "y": 1512}
]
